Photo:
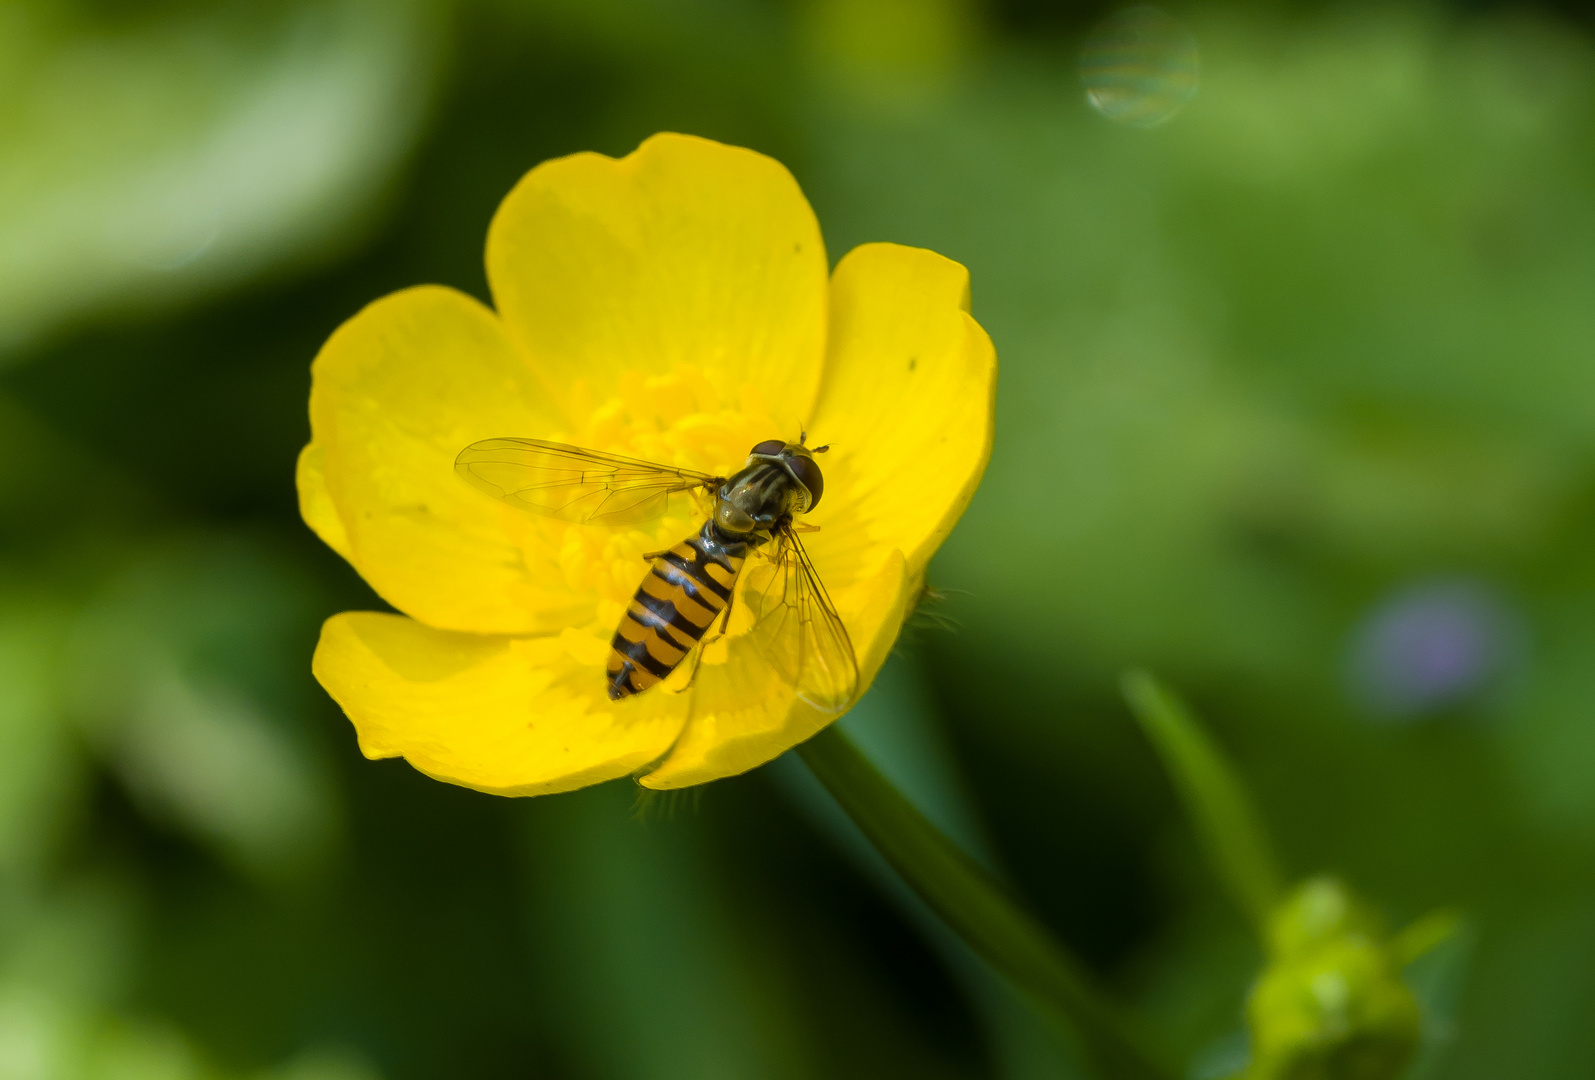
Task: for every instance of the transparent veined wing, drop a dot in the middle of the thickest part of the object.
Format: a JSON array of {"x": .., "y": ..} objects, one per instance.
[
  {"x": 796, "y": 627},
  {"x": 573, "y": 484}
]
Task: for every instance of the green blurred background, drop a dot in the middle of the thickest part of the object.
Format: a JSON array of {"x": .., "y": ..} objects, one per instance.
[{"x": 1297, "y": 408}]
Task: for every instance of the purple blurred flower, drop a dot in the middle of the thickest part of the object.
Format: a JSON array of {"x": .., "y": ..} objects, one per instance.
[{"x": 1432, "y": 644}]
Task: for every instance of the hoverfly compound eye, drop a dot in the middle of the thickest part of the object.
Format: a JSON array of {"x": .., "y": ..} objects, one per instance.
[
  {"x": 807, "y": 471},
  {"x": 769, "y": 448}
]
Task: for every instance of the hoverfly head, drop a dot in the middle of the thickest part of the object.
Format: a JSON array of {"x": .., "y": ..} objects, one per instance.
[{"x": 798, "y": 461}]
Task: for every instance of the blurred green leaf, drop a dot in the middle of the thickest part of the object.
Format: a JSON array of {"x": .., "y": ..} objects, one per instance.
[
  {"x": 1227, "y": 824},
  {"x": 1439, "y": 978},
  {"x": 656, "y": 978},
  {"x": 152, "y": 158},
  {"x": 324, "y": 1063},
  {"x": 179, "y": 673},
  {"x": 890, "y": 52},
  {"x": 39, "y": 768},
  {"x": 1418, "y": 938}
]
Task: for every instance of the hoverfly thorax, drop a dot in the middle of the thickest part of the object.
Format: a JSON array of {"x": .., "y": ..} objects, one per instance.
[{"x": 779, "y": 479}]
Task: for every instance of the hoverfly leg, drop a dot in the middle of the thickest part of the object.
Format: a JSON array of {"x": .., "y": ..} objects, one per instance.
[
  {"x": 708, "y": 639},
  {"x": 650, "y": 556},
  {"x": 803, "y": 528},
  {"x": 697, "y": 658},
  {"x": 725, "y": 623}
]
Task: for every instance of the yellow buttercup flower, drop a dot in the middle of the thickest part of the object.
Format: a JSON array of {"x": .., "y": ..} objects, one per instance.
[{"x": 672, "y": 305}]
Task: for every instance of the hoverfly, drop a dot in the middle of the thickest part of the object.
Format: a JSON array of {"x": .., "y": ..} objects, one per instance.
[{"x": 689, "y": 586}]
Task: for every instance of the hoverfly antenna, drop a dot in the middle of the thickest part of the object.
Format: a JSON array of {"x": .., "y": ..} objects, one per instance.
[
  {"x": 803, "y": 436},
  {"x": 820, "y": 449}
]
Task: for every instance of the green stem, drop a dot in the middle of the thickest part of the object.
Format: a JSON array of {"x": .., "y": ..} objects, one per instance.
[{"x": 977, "y": 908}]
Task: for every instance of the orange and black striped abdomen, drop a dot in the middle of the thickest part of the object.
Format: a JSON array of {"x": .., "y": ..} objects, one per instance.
[{"x": 685, "y": 591}]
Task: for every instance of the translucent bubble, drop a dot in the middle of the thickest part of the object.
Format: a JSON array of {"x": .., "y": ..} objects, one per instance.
[{"x": 1139, "y": 67}]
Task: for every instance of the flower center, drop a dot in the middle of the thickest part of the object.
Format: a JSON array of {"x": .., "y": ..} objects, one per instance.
[{"x": 679, "y": 419}]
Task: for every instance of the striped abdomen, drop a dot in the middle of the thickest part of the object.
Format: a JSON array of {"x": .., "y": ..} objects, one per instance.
[{"x": 685, "y": 591}]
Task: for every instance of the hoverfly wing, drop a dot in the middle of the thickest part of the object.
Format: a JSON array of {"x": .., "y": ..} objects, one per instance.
[
  {"x": 796, "y": 627},
  {"x": 573, "y": 484}
]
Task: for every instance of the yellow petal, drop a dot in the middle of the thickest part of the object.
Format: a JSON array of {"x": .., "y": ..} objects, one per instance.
[
  {"x": 684, "y": 254},
  {"x": 398, "y": 391},
  {"x": 508, "y": 716},
  {"x": 315, "y": 503},
  {"x": 906, "y": 406},
  {"x": 742, "y": 715}
]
